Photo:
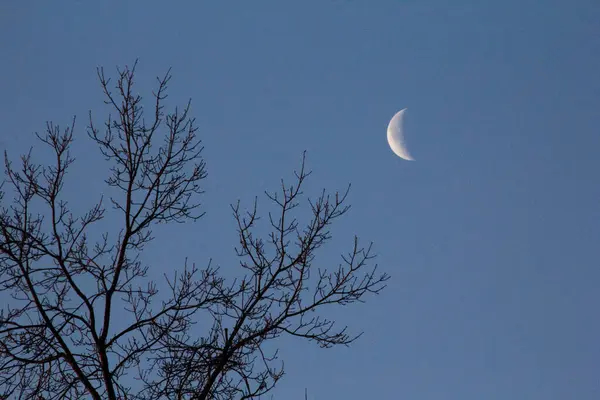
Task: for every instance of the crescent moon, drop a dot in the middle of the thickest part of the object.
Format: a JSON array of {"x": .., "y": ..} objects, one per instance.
[{"x": 395, "y": 136}]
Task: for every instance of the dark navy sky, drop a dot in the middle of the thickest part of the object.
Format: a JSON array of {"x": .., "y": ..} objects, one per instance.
[{"x": 491, "y": 236}]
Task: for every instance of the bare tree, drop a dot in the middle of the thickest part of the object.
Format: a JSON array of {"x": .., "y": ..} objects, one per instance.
[{"x": 58, "y": 335}]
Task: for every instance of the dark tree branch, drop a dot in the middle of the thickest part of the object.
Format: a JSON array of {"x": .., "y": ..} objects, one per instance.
[
  {"x": 58, "y": 335},
  {"x": 277, "y": 296},
  {"x": 55, "y": 340}
]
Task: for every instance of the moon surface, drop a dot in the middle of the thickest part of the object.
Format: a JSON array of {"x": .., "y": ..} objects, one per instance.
[{"x": 395, "y": 136}]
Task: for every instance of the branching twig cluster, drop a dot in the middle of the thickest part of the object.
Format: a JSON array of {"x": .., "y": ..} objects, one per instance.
[{"x": 58, "y": 335}]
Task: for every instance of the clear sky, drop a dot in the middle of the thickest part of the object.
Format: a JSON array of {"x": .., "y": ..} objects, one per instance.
[{"x": 491, "y": 236}]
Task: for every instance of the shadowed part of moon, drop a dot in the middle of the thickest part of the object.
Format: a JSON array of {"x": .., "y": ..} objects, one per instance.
[{"x": 395, "y": 136}]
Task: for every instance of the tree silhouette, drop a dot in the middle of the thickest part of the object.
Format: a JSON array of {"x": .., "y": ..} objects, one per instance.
[{"x": 59, "y": 338}]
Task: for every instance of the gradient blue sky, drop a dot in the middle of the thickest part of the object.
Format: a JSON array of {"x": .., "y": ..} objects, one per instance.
[{"x": 491, "y": 236}]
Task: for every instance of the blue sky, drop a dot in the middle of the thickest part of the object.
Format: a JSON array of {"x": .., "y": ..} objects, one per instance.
[{"x": 491, "y": 236}]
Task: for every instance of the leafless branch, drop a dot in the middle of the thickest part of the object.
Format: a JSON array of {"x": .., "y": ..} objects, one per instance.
[
  {"x": 55, "y": 336},
  {"x": 58, "y": 335},
  {"x": 283, "y": 291}
]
